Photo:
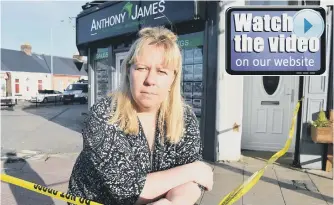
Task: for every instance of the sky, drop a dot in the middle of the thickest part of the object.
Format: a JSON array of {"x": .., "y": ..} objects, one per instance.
[{"x": 37, "y": 22}]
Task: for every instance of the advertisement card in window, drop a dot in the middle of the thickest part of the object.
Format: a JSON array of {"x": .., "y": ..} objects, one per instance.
[
  {"x": 187, "y": 89},
  {"x": 198, "y": 72},
  {"x": 188, "y": 56},
  {"x": 198, "y": 56},
  {"x": 189, "y": 102},
  {"x": 197, "y": 90},
  {"x": 188, "y": 72}
]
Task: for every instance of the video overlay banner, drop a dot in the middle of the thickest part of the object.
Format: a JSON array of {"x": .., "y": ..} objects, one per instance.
[{"x": 275, "y": 41}]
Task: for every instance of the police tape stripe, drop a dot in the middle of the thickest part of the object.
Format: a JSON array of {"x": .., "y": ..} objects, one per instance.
[
  {"x": 242, "y": 189},
  {"x": 229, "y": 199},
  {"x": 46, "y": 191}
]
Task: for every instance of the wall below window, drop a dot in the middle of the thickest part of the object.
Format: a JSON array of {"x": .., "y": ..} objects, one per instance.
[{"x": 28, "y": 83}]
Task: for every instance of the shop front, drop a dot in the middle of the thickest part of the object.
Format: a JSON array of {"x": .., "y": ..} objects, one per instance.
[
  {"x": 106, "y": 32},
  {"x": 230, "y": 109}
]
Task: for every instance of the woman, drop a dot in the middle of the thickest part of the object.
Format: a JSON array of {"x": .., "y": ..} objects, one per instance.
[{"x": 142, "y": 143}]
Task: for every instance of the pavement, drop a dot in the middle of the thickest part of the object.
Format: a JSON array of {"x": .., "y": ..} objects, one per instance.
[
  {"x": 48, "y": 128},
  {"x": 280, "y": 184}
]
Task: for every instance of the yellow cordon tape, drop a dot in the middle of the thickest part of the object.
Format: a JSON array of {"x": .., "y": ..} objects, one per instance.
[
  {"x": 229, "y": 199},
  {"x": 237, "y": 193},
  {"x": 46, "y": 191}
]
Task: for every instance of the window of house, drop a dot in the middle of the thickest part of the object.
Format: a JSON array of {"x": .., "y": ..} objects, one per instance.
[
  {"x": 17, "y": 86},
  {"x": 40, "y": 85},
  {"x": 270, "y": 84},
  {"x": 27, "y": 84}
]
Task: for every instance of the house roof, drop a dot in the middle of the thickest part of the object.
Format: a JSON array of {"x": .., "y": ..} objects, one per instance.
[
  {"x": 4, "y": 67},
  {"x": 61, "y": 65},
  {"x": 14, "y": 60}
]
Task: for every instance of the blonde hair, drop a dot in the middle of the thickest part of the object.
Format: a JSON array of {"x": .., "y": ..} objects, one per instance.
[{"x": 171, "y": 119}]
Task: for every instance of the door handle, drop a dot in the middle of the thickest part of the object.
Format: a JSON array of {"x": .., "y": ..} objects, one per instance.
[{"x": 292, "y": 94}]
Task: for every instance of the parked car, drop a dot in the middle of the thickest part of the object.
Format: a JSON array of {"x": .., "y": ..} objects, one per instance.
[
  {"x": 9, "y": 101},
  {"x": 45, "y": 96},
  {"x": 76, "y": 92}
]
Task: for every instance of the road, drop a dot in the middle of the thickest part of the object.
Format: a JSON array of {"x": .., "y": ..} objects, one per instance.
[{"x": 51, "y": 129}]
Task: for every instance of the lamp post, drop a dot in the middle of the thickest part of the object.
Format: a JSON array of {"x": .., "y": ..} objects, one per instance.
[{"x": 51, "y": 52}]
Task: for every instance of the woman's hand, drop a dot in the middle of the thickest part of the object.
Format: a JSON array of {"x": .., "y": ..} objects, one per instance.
[
  {"x": 203, "y": 174},
  {"x": 162, "y": 201}
]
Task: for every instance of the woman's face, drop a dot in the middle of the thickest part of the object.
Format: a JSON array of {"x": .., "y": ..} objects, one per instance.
[{"x": 150, "y": 80}]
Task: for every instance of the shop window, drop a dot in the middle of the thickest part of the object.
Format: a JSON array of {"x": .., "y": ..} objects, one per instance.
[
  {"x": 103, "y": 78},
  {"x": 40, "y": 85},
  {"x": 192, "y": 69},
  {"x": 17, "y": 86},
  {"x": 270, "y": 84}
]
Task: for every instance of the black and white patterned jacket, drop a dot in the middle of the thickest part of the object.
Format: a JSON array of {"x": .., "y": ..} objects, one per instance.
[{"x": 112, "y": 167}]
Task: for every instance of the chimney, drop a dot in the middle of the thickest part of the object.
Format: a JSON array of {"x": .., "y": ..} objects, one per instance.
[
  {"x": 26, "y": 48},
  {"x": 77, "y": 57}
]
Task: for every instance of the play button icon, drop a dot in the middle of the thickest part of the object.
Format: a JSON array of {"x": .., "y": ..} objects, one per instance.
[{"x": 308, "y": 23}]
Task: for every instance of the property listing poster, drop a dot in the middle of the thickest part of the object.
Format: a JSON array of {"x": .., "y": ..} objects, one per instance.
[
  {"x": 187, "y": 90},
  {"x": 188, "y": 73},
  {"x": 197, "y": 89},
  {"x": 198, "y": 72},
  {"x": 198, "y": 55},
  {"x": 188, "y": 56}
]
